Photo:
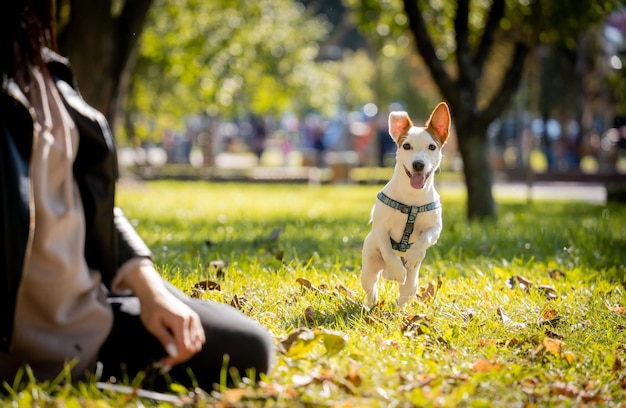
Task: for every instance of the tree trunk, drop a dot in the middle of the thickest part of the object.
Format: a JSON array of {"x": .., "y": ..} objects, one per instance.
[
  {"x": 101, "y": 48},
  {"x": 474, "y": 148}
]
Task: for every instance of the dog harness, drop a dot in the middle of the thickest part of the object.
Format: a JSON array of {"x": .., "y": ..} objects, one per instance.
[{"x": 412, "y": 211}]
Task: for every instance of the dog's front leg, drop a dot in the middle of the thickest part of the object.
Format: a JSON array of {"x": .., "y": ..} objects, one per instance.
[
  {"x": 408, "y": 290},
  {"x": 394, "y": 267},
  {"x": 413, "y": 262}
]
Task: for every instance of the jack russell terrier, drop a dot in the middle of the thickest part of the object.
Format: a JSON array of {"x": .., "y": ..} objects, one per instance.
[{"x": 406, "y": 218}]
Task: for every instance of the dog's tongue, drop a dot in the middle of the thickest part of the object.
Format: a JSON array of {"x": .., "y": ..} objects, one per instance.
[{"x": 418, "y": 180}]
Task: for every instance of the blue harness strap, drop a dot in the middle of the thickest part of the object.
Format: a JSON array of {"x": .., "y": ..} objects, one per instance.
[{"x": 412, "y": 211}]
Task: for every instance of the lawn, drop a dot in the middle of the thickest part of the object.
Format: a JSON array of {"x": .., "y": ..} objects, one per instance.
[{"x": 526, "y": 311}]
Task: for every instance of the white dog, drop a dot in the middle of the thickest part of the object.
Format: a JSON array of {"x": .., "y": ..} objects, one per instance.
[{"x": 406, "y": 218}]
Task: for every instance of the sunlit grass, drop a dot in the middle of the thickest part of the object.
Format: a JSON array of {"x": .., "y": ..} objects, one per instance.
[{"x": 476, "y": 341}]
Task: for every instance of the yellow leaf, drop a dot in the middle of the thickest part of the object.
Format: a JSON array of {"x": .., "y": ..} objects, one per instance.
[
  {"x": 569, "y": 357},
  {"x": 553, "y": 345}
]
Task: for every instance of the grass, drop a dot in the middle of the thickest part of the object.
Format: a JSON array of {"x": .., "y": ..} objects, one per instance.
[{"x": 526, "y": 311}]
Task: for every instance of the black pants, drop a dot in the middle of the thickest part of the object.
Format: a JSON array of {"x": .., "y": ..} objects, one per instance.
[{"x": 233, "y": 342}]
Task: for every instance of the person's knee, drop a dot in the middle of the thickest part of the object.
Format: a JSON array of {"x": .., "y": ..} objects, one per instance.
[{"x": 259, "y": 354}]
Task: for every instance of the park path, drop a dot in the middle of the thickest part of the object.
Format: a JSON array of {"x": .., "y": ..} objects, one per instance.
[{"x": 591, "y": 193}]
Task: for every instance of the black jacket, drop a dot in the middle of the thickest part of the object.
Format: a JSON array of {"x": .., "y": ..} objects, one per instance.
[{"x": 110, "y": 238}]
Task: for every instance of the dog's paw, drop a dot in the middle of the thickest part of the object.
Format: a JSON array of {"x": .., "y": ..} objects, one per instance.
[
  {"x": 403, "y": 300},
  {"x": 372, "y": 299},
  {"x": 396, "y": 273}
]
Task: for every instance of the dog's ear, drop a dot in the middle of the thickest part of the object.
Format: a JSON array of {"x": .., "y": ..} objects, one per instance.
[
  {"x": 439, "y": 122},
  {"x": 399, "y": 125}
]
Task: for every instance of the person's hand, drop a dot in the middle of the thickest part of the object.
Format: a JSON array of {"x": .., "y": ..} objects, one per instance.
[{"x": 175, "y": 325}]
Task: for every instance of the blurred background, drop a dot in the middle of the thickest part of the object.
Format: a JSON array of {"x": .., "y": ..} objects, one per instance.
[{"x": 300, "y": 90}]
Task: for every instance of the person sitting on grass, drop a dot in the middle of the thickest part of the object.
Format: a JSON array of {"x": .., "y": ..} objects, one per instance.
[{"x": 67, "y": 253}]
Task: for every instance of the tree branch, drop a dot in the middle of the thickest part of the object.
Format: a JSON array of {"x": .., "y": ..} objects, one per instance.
[
  {"x": 129, "y": 26},
  {"x": 426, "y": 49},
  {"x": 463, "y": 58},
  {"x": 496, "y": 13},
  {"x": 509, "y": 85}
]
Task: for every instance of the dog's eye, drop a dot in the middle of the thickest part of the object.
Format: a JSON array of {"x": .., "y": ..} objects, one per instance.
[
  {"x": 432, "y": 146},
  {"x": 406, "y": 146}
]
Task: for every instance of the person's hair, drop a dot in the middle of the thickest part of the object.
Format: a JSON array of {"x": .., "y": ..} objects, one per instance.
[{"x": 26, "y": 26}]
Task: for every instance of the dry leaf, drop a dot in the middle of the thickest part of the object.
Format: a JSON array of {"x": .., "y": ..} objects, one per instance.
[
  {"x": 520, "y": 281},
  {"x": 309, "y": 315},
  {"x": 305, "y": 283},
  {"x": 549, "y": 314},
  {"x": 548, "y": 291},
  {"x": 299, "y": 342},
  {"x": 235, "y": 395},
  {"x": 565, "y": 389},
  {"x": 616, "y": 309},
  {"x": 354, "y": 376},
  {"x": 487, "y": 342},
  {"x": 556, "y": 274},
  {"x": 553, "y": 346},
  {"x": 484, "y": 366},
  {"x": 618, "y": 364},
  {"x": 506, "y": 320},
  {"x": 238, "y": 302},
  {"x": 207, "y": 285},
  {"x": 412, "y": 323},
  {"x": 426, "y": 292}
]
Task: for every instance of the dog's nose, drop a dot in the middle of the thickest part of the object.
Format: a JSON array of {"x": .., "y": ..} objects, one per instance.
[{"x": 418, "y": 165}]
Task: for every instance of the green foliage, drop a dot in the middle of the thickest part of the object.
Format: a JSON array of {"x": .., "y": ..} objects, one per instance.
[
  {"x": 259, "y": 57},
  {"x": 557, "y": 22},
  {"x": 486, "y": 330}
]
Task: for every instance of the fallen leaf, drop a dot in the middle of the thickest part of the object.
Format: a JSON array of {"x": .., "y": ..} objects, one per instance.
[
  {"x": 426, "y": 292},
  {"x": 487, "y": 342},
  {"x": 554, "y": 334},
  {"x": 556, "y": 274},
  {"x": 616, "y": 309},
  {"x": 484, "y": 366},
  {"x": 549, "y": 314},
  {"x": 553, "y": 346},
  {"x": 565, "y": 389},
  {"x": 569, "y": 357},
  {"x": 299, "y": 342},
  {"x": 548, "y": 291},
  {"x": 618, "y": 364},
  {"x": 309, "y": 315},
  {"x": 354, "y": 376},
  {"x": 507, "y": 321},
  {"x": 413, "y": 323},
  {"x": 207, "y": 285},
  {"x": 304, "y": 283},
  {"x": 520, "y": 281},
  {"x": 382, "y": 342},
  {"x": 333, "y": 341},
  {"x": 235, "y": 395}
]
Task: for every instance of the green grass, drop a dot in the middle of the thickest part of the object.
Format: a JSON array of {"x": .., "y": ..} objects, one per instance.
[{"x": 475, "y": 342}]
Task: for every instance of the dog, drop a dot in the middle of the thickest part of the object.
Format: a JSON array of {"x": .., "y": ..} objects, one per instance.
[{"x": 406, "y": 217}]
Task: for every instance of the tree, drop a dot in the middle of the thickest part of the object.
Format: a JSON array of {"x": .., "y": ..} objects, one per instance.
[
  {"x": 100, "y": 38},
  {"x": 258, "y": 57},
  {"x": 457, "y": 40}
]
